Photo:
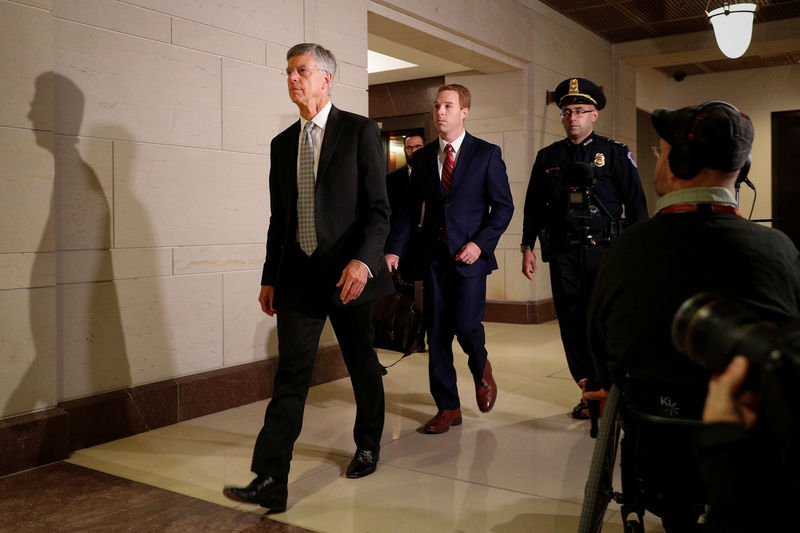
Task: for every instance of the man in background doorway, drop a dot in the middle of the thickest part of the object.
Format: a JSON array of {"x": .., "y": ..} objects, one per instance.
[{"x": 397, "y": 181}]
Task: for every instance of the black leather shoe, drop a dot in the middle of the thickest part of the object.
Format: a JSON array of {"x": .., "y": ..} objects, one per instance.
[
  {"x": 363, "y": 464},
  {"x": 263, "y": 490}
]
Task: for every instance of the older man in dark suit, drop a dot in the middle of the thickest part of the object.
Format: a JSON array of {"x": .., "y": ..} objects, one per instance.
[
  {"x": 328, "y": 224},
  {"x": 462, "y": 182}
]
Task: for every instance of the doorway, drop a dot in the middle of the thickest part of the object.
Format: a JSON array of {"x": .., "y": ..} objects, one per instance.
[
  {"x": 401, "y": 109},
  {"x": 786, "y": 173}
]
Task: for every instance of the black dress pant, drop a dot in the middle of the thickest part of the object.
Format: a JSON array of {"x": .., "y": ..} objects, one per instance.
[
  {"x": 572, "y": 276},
  {"x": 301, "y": 315}
]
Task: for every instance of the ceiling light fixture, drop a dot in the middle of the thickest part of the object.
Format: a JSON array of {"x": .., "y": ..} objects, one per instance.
[
  {"x": 377, "y": 62},
  {"x": 733, "y": 26}
]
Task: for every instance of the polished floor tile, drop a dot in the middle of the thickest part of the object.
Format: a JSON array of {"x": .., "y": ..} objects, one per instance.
[
  {"x": 520, "y": 468},
  {"x": 66, "y": 498}
]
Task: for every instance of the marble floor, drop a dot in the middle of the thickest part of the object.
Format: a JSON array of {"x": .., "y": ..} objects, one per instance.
[{"x": 520, "y": 468}]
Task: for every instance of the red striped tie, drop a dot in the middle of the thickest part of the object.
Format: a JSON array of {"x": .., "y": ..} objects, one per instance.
[{"x": 447, "y": 169}]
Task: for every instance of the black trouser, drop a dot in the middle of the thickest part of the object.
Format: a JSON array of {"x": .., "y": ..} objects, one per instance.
[
  {"x": 572, "y": 276},
  {"x": 301, "y": 318}
]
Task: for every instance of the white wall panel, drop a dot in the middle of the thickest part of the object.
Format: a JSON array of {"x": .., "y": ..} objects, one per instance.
[{"x": 173, "y": 196}]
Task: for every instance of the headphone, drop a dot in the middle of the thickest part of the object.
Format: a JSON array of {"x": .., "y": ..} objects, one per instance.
[{"x": 686, "y": 157}]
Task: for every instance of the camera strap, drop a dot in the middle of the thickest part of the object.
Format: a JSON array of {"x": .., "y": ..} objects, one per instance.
[{"x": 703, "y": 208}]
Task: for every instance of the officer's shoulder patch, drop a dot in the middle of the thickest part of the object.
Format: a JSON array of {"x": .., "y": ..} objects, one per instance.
[{"x": 633, "y": 161}]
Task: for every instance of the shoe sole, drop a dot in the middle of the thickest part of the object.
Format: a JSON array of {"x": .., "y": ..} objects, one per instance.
[
  {"x": 272, "y": 506},
  {"x": 482, "y": 410},
  {"x": 361, "y": 474},
  {"x": 431, "y": 431}
]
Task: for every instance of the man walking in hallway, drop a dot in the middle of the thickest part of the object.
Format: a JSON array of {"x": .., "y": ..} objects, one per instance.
[
  {"x": 462, "y": 182},
  {"x": 328, "y": 224},
  {"x": 573, "y": 240}
]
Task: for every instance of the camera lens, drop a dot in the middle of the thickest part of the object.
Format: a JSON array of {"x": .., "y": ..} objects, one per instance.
[{"x": 710, "y": 330}]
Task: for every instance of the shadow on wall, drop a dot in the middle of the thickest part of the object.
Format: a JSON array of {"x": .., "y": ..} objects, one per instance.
[
  {"x": 79, "y": 340},
  {"x": 143, "y": 289}
]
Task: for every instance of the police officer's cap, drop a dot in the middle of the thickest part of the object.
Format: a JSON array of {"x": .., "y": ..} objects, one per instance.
[{"x": 579, "y": 91}]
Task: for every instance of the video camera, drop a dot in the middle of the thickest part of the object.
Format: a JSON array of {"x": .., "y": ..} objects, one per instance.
[
  {"x": 711, "y": 329},
  {"x": 583, "y": 206}
]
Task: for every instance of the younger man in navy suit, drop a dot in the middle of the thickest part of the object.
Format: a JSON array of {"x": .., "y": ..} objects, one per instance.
[{"x": 463, "y": 184}]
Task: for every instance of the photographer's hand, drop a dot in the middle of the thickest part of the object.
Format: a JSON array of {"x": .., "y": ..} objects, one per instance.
[{"x": 726, "y": 402}]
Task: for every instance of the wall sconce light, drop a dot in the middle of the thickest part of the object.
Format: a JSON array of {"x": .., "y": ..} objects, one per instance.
[{"x": 733, "y": 26}]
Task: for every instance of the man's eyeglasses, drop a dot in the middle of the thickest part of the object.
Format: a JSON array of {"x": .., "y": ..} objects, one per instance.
[
  {"x": 578, "y": 112},
  {"x": 413, "y": 147},
  {"x": 303, "y": 72}
]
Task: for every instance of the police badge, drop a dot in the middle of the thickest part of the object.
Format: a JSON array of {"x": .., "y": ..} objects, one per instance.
[{"x": 599, "y": 159}]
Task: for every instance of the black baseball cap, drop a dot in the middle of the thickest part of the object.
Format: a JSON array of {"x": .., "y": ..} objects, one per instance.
[{"x": 718, "y": 133}]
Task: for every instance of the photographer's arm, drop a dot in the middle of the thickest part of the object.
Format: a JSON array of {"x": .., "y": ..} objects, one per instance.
[{"x": 727, "y": 458}]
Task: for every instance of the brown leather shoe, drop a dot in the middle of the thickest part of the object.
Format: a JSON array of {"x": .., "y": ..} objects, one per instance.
[
  {"x": 486, "y": 389},
  {"x": 443, "y": 420}
]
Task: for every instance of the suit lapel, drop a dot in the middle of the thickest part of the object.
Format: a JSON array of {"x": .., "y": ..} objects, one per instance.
[
  {"x": 432, "y": 162},
  {"x": 333, "y": 129},
  {"x": 290, "y": 159}
]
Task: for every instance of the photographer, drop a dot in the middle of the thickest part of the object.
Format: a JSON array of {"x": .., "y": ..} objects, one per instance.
[
  {"x": 747, "y": 448},
  {"x": 574, "y": 240},
  {"x": 696, "y": 242}
]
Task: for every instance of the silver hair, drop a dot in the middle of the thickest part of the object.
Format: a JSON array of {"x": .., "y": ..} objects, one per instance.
[{"x": 325, "y": 59}]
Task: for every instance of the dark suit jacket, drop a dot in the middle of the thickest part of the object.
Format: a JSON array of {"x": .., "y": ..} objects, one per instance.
[
  {"x": 351, "y": 209},
  {"x": 397, "y": 187},
  {"x": 478, "y": 208}
]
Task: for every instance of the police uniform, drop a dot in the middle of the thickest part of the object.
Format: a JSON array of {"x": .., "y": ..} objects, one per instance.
[{"x": 573, "y": 256}]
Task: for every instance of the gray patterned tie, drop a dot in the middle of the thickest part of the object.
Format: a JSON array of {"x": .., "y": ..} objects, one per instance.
[{"x": 306, "y": 229}]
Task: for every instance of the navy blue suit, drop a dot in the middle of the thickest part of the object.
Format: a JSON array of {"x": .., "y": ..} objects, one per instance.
[{"x": 477, "y": 209}]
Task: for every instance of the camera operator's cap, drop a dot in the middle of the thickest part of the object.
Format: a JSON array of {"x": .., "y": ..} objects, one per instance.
[
  {"x": 579, "y": 91},
  {"x": 719, "y": 134}
]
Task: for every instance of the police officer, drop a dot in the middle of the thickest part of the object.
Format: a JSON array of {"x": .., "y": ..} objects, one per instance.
[{"x": 574, "y": 237}]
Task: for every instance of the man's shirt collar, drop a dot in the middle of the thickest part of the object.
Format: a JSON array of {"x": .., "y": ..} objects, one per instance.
[
  {"x": 320, "y": 120},
  {"x": 456, "y": 143},
  {"x": 697, "y": 195}
]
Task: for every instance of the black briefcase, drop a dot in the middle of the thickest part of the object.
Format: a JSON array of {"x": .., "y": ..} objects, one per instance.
[{"x": 398, "y": 318}]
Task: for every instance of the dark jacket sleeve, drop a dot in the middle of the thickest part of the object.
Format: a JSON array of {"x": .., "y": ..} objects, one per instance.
[
  {"x": 533, "y": 217},
  {"x": 727, "y": 463},
  {"x": 409, "y": 208},
  {"x": 501, "y": 204},
  {"x": 374, "y": 209},
  {"x": 278, "y": 218}
]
